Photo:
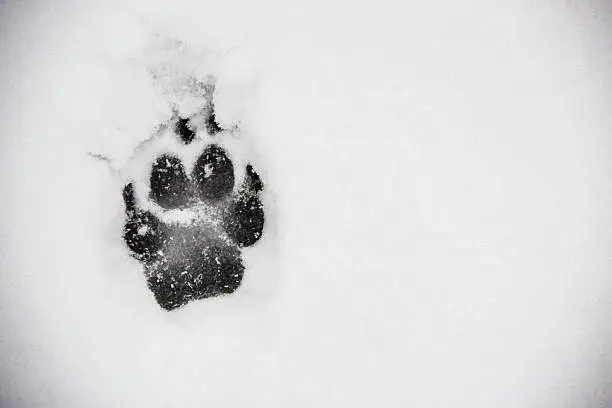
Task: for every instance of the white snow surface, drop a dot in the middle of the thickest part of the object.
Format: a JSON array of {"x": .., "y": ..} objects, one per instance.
[{"x": 439, "y": 197}]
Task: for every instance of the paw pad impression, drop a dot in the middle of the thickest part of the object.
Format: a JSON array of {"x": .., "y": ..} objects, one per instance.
[{"x": 196, "y": 253}]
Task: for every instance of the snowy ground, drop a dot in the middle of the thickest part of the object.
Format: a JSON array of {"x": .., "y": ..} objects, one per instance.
[{"x": 440, "y": 205}]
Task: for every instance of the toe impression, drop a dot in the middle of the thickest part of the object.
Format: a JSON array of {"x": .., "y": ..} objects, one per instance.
[
  {"x": 169, "y": 182},
  {"x": 143, "y": 233},
  {"x": 213, "y": 173}
]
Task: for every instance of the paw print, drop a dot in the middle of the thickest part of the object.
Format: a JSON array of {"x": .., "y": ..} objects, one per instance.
[{"x": 191, "y": 228}]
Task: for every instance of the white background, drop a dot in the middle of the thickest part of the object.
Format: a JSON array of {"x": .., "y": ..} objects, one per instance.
[{"x": 443, "y": 206}]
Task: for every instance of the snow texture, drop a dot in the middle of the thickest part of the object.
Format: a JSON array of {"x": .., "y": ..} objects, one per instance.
[{"x": 436, "y": 185}]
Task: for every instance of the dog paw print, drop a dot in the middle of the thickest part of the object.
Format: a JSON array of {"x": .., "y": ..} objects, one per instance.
[{"x": 191, "y": 228}]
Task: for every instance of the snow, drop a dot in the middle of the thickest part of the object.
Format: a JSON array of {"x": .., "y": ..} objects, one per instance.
[{"x": 439, "y": 204}]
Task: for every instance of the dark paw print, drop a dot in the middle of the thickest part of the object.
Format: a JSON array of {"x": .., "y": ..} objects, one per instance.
[{"x": 199, "y": 257}]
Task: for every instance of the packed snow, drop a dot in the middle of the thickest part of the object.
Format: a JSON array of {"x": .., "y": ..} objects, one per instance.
[{"x": 438, "y": 208}]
